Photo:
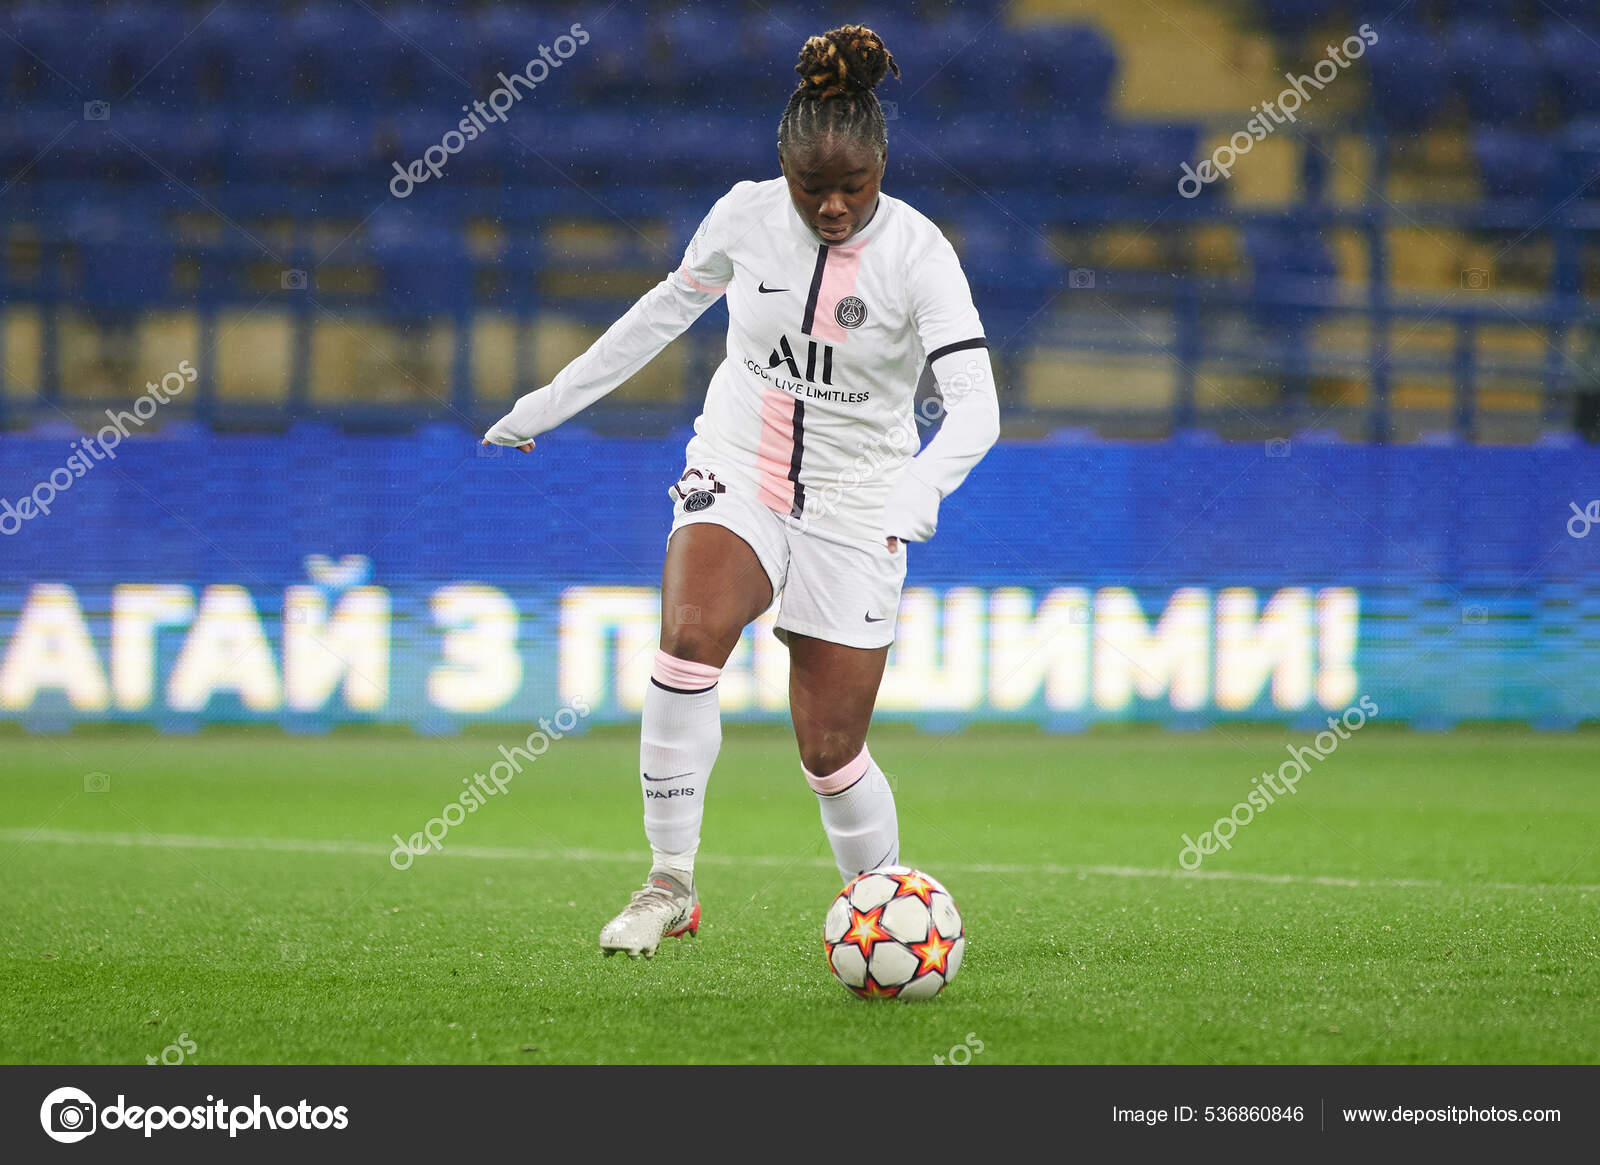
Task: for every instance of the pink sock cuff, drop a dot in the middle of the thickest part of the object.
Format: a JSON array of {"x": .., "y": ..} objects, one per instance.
[
  {"x": 684, "y": 674},
  {"x": 836, "y": 782}
]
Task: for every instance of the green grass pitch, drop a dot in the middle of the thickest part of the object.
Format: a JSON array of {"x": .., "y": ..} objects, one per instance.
[{"x": 1420, "y": 899}]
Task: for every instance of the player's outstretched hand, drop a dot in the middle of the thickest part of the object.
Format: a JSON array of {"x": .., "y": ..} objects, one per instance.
[{"x": 527, "y": 447}]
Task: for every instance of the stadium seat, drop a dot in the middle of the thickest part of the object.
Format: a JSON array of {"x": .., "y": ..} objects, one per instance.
[
  {"x": 1580, "y": 161},
  {"x": 1067, "y": 70},
  {"x": 423, "y": 263},
  {"x": 1293, "y": 18},
  {"x": 965, "y": 57},
  {"x": 594, "y": 146},
  {"x": 1497, "y": 69},
  {"x": 696, "y": 34},
  {"x": 24, "y": 138},
  {"x": 508, "y": 36},
  {"x": 771, "y": 36},
  {"x": 191, "y": 146},
  {"x": 236, "y": 54},
  {"x": 960, "y": 154},
  {"x": 10, "y": 65},
  {"x": 1569, "y": 53},
  {"x": 615, "y": 61},
  {"x": 713, "y": 151},
  {"x": 511, "y": 31},
  {"x": 407, "y": 136},
  {"x": 1410, "y": 78},
  {"x": 1292, "y": 270},
  {"x": 963, "y": 62},
  {"x": 307, "y": 146},
  {"x": 327, "y": 63},
  {"x": 90, "y": 153},
  {"x": 1472, "y": 9},
  {"x": 138, "y": 38},
  {"x": 1574, "y": 10},
  {"x": 1085, "y": 158},
  {"x": 1513, "y": 163},
  {"x": 61, "y": 47},
  {"x": 124, "y": 259},
  {"x": 1009, "y": 260},
  {"x": 428, "y": 55}
]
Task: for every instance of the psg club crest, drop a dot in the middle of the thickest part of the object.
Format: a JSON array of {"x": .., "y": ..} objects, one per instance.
[
  {"x": 851, "y": 312},
  {"x": 698, "y": 489}
]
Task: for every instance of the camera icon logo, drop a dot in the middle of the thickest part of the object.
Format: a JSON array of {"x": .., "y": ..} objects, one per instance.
[
  {"x": 68, "y": 1115},
  {"x": 97, "y": 111},
  {"x": 1474, "y": 279},
  {"x": 96, "y": 782},
  {"x": 1277, "y": 447},
  {"x": 1080, "y": 278},
  {"x": 491, "y": 450},
  {"x": 891, "y": 110},
  {"x": 294, "y": 280},
  {"x": 1474, "y": 614}
]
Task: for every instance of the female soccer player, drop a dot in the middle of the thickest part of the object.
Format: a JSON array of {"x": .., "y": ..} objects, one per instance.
[{"x": 800, "y": 479}]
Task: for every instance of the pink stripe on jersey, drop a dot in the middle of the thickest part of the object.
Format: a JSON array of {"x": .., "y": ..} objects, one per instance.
[
  {"x": 683, "y": 673},
  {"x": 697, "y": 285},
  {"x": 836, "y": 782},
  {"x": 838, "y": 281},
  {"x": 776, "y": 452}
]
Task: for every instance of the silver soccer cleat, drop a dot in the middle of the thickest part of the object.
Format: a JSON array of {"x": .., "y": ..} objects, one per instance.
[{"x": 663, "y": 908}]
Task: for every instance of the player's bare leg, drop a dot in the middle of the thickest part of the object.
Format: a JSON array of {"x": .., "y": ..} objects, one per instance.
[
  {"x": 832, "y": 691},
  {"x": 712, "y": 586}
]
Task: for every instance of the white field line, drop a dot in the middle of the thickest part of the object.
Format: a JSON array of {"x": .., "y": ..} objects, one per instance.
[{"x": 514, "y": 853}]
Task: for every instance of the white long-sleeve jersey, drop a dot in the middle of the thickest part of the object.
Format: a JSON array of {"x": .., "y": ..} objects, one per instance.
[{"x": 813, "y": 406}]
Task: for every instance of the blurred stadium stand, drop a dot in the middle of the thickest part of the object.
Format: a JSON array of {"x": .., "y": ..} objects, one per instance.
[{"x": 1416, "y": 259}]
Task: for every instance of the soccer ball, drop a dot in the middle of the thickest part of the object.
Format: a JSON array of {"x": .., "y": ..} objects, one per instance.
[{"x": 894, "y": 933}]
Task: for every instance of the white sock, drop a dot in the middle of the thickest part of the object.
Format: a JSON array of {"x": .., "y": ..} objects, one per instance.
[
  {"x": 858, "y": 815},
  {"x": 680, "y": 734}
]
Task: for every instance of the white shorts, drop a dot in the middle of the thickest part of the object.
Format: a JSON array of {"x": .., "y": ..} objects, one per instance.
[{"x": 839, "y": 589}]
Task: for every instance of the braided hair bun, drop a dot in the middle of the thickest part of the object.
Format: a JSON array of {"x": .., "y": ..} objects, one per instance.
[{"x": 851, "y": 58}]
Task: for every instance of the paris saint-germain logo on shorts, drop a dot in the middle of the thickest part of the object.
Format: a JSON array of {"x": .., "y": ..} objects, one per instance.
[
  {"x": 698, "y": 501},
  {"x": 851, "y": 312}
]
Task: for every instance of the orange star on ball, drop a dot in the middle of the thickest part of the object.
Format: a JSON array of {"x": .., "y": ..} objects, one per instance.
[
  {"x": 913, "y": 884},
  {"x": 933, "y": 953},
  {"x": 866, "y": 930}
]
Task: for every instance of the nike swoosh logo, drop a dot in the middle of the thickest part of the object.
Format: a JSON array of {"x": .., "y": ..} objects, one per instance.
[
  {"x": 765, "y": 290},
  {"x": 674, "y": 777},
  {"x": 879, "y": 619}
]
